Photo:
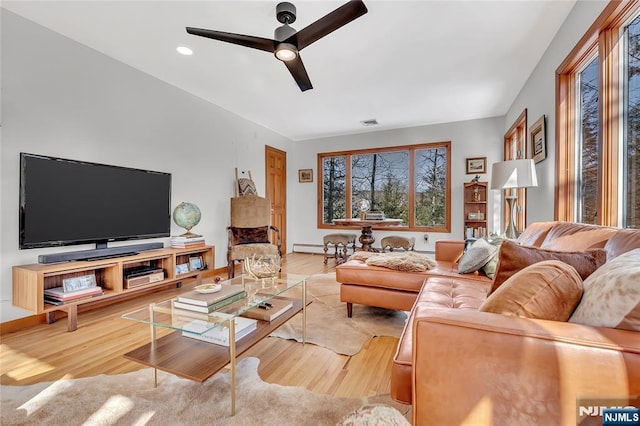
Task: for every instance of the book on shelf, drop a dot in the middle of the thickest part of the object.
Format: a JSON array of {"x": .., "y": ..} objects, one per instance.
[
  {"x": 58, "y": 302},
  {"x": 188, "y": 245},
  {"x": 210, "y": 308},
  {"x": 269, "y": 310},
  {"x": 182, "y": 238},
  {"x": 59, "y": 293},
  {"x": 206, "y": 299},
  {"x": 220, "y": 334}
]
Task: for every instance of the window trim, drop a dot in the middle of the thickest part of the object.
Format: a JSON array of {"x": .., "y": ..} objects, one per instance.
[
  {"x": 602, "y": 36},
  {"x": 411, "y": 198},
  {"x": 518, "y": 130}
]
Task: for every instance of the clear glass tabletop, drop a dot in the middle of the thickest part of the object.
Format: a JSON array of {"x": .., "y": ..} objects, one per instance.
[{"x": 258, "y": 293}]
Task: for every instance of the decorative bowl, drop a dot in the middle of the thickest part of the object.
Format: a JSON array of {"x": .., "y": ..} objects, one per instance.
[{"x": 260, "y": 267}]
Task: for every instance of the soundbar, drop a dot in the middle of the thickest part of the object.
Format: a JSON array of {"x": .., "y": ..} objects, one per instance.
[{"x": 96, "y": 254}]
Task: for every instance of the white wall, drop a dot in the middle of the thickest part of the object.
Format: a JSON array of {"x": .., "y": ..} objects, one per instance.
[
  {"x": 475, "y": 138},
  {"x": 538, "y": 96},
  {"x": 64, "y": 99}
]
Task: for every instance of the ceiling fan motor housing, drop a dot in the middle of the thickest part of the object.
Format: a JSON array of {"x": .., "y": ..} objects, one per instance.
[{"x": 286, "y": 13}]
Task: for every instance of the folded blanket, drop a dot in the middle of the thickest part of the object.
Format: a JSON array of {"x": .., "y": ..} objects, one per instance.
[{"x": 400, "y": 261}]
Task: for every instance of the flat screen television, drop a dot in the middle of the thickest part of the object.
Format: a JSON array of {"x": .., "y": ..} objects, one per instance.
[{"x": 65, "y": 202}]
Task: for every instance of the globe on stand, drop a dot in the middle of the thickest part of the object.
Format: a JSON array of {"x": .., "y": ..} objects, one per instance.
[{"x": 187, "y": 215}]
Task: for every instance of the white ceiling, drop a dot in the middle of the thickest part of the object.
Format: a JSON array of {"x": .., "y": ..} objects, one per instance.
[{"x": 404, "y": 63}]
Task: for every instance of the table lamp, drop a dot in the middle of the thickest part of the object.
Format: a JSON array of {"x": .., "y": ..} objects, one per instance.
[{"x": 512, "y": 174}]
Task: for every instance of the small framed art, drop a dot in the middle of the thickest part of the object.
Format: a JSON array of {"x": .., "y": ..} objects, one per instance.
[
  {"x": 183, "y": 268},
  {"x": 476, "y": 165},
  {"x": 305, "y": 175},
  {"x": 195, "y": 263},
  {"x": 538, "y": 140}
]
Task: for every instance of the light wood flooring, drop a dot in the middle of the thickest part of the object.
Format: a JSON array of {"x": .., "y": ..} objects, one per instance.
[{"x": 46, "y": 352}]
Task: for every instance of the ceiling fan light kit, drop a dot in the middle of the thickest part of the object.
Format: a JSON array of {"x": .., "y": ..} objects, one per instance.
[{"x": 288, "y": 42}]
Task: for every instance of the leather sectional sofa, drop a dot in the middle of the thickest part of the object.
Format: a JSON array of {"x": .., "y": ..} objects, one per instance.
[{"x": 457, "y": 365}]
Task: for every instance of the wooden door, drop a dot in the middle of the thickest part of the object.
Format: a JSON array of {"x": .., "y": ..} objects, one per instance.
[{"x": 276, "y": 189}]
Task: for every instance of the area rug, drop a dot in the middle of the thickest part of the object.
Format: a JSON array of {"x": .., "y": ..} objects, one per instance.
[
  {"x": 131, "y": 399},
  {"x": 327, "y": 322}
]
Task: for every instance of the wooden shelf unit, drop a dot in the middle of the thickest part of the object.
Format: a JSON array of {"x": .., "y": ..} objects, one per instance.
[
  {"x": 30, "y": 281},
  {"x": 475, "y": 210}
]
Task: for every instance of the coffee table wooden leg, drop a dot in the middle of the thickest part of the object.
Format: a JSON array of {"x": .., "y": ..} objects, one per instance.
[
  {"x": 304, "y": 312},
  {"x": 232, "y": 358}
]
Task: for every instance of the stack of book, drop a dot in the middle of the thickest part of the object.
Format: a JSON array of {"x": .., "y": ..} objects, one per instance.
[
  {"x": 187, "y": 242},
  {"x": 220, "y": 334},
  {"x": 269, "y": 310},
  {"x": 57, "y": 295},
  {"x": 209, "y": 302}
]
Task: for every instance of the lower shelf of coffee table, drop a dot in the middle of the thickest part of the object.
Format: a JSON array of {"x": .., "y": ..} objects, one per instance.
[{"x": 197, "y": 360}]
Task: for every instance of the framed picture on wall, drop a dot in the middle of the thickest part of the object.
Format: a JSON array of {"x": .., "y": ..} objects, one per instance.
[
  {"x": 476, "y": 165},
  {"x": 305, "y": 175},
  {"x": 538, "y": 140}
]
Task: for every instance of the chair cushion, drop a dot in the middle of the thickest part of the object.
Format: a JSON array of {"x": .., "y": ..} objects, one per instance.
[
  {"x": 548, "y": 290},
  {"x": 251, "y": 235},
  {"x": 612, "y": 295},
  {"x": 514, "y": 258}
]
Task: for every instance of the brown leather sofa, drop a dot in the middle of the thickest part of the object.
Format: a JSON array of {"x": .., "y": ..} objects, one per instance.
[{"x": 456, "y": 365}]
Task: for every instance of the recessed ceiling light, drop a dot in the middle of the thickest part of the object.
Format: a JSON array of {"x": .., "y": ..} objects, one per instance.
[{"x": 184, "y": 50}]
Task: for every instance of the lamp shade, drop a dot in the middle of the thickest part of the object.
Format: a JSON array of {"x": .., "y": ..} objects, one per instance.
[{"x": 513, "y": 174}]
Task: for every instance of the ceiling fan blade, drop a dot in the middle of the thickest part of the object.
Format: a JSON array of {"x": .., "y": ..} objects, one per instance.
[
  {"x": 259, "y": 43},
  {"x": 327, "y": 24},
  {"x": 299, "y": 73}
]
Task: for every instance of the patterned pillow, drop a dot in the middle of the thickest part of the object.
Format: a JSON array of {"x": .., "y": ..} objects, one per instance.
[
  {"x": 490, "y": 267},
  {"x": 548, "y": 290},
  {"x": 476, "y": 256},
  {"x": 612, "y": 295},
  {"x": 514, "y": 258},
  {"x": 250, "y": 235}
]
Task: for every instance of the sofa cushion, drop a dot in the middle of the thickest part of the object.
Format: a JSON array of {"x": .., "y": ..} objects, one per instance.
[
  {"x": 621, "y": 242},
  {"x": 534, "y": 234},
  {"x": 514, "y": 258},
  {"x": 548, "y": 290},
  {"x": 436, "y": 293},
  {"x": 612, "y": 295},
  {"x": 476, "y": 256},
  {"x": 570, "y": 236}
]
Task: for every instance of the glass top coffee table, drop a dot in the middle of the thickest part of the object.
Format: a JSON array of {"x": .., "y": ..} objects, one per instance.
[{"x": 198, "y": 360}]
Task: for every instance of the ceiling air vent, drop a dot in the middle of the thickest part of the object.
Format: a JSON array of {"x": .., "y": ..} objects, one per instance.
[{"x": 371, "y": 122}]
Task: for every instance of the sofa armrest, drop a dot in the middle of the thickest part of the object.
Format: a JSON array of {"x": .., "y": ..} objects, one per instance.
[
  {"x": 473, "y": 367},
  {"x": 449, "y": 250}
]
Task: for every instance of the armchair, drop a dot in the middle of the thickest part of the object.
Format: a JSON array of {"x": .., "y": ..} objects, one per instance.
[{"x": 251, "y": 231}]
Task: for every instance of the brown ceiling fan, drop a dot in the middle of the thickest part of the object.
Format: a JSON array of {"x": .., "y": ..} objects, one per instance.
[{"x": 288, "y": 42}]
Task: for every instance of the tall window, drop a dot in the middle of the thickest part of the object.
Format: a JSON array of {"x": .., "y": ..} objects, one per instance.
[
  {"x": 407, "y": 182},
  {"x": 598, "y": 122},
  {"x": 587, "y": 151},
  {"x": 631, "y": 157}
]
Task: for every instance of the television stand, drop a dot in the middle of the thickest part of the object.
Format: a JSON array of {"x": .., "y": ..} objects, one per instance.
[{"x": 30, "y": 281}]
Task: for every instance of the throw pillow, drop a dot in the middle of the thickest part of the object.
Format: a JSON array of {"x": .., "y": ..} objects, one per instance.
[
  {"x": 514, "y": 257},
  {"x": 407, "y": 261},
  {"x": 490, "y": 267},
  {"x": 612, "y": 295},
  {"x": 548, "y": 290},
  {"x": 251, "y": 235},
  {"x": 476, "y": 256}
]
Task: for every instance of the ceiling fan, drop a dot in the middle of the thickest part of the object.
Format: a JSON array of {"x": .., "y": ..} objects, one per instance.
[{"x": 288, "y": 42}]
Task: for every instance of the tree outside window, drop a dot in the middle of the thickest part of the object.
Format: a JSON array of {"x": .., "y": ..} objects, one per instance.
[{"x": 381, "y": 180}]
